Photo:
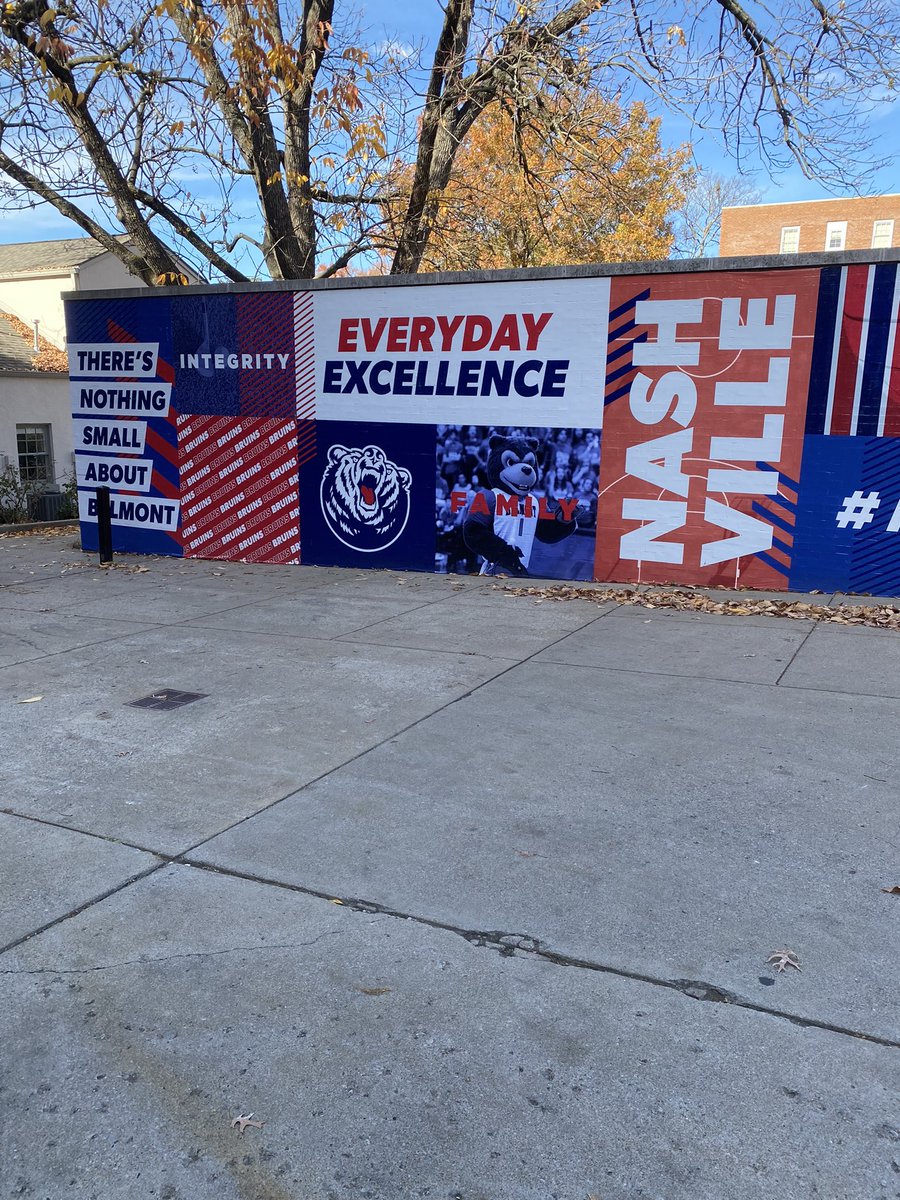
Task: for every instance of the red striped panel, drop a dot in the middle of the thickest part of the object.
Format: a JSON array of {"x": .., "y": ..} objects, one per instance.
[
  {"x": 265, "y": 326},
  {"x": 239, "y": 497},
  {"x": 304, "y": 356},
  {"x": 306, "y": 441}
]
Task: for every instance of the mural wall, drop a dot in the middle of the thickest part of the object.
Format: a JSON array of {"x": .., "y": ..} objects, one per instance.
[{"x": 716, "y": 428}]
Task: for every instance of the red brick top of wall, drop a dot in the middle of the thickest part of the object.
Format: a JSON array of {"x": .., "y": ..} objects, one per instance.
[{"x": 756, "y": 229}]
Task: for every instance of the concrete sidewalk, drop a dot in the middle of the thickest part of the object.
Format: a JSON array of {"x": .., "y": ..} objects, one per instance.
[{"x": 461, "y": 894}]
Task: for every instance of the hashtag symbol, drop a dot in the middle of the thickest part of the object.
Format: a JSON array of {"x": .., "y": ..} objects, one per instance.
[{"x": 858, "y": 510}]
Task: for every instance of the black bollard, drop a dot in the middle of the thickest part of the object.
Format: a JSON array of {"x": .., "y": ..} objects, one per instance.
[{"x": 104, "y": 527}]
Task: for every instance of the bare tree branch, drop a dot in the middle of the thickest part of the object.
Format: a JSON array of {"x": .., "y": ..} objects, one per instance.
[
  {"x": 37, "y": 186},
  {"x": 249, "y": 136},
  {"x": 184, "y": 230}
]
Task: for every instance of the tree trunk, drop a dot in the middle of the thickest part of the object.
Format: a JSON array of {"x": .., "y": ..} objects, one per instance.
[{"x": 437, "y": 139}]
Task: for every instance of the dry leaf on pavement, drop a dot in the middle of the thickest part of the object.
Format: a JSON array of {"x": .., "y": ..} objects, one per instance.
[
  {"x": 30, "y": 700},
  {"x": 892, "y": 891},
  {"x": 243, "y": 1122},
  {"x": 782, "y": 959}
]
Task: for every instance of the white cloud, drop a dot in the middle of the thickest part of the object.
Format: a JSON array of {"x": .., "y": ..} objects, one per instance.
[{"x": 395, "y": 48}]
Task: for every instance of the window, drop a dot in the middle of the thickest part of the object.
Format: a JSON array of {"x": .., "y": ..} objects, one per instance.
[
  {"x": 835, "y": 235},
  {"x": 35, "y": 457},
  {"x": 882, "y": 234},
  {"x": 790, "y": 239}
]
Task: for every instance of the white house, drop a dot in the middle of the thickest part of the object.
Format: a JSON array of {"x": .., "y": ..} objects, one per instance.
[{"x": 35, "y": 422}]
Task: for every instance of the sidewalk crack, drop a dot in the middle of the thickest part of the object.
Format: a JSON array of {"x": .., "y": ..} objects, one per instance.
[
  {"x": 141, "y": 962},
  {"x": 509, "y": 944}
]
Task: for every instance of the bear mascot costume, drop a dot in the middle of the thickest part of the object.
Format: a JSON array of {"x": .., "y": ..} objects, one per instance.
[{"x": 502, "y": 524}]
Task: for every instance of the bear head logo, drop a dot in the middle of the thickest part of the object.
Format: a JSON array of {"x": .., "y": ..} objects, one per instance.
[{"x": 365, "y": 497}]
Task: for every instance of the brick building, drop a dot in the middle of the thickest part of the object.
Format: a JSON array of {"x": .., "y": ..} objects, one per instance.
[{"x": 811, "y": 226}]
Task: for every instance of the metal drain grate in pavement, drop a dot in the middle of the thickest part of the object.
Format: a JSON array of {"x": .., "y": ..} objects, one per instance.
[{"x": 167, "y": 698}]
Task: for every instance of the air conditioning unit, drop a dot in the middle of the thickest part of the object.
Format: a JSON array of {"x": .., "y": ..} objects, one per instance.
[{"x": 47, "y": 507}]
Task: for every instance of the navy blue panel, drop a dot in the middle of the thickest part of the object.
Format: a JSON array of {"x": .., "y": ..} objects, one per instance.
[
  {"x": 202, "y": 327},
  {"x": 876, "y": 349},
  {"x": 823, "y": 346},
  {"x": 367, "y": 497},
  {"x": 140, "y": 320},
  {"x": 876, "y": 551},
  {"x": 833, "y": 548},
  {"x": 120, "y": 322},
  {"x": 126, "y": 540}
]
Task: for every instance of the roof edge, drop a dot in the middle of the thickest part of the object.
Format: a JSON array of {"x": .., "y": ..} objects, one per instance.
[
  {"x": 824, "y": 200},
  {"x": 4, "y": 374},
  {"x": 36, "y": 273}
]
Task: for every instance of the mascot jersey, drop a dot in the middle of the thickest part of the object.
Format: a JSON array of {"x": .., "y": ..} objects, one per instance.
[{"x": 516, "y": 531}]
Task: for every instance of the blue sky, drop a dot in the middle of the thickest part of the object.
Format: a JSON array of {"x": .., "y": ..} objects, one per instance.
[{"x": 419, "y": 21}]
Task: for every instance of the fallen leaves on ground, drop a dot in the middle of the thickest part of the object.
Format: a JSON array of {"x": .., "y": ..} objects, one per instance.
[
  {"x": 42, "y": 531},
  {"x": 882, "y": 616},
  {"x": 127, "y": 567},
  {"x": 375, "y": 991},
  {"x": 782, "y": 959},
  {"x": 30, "y": 700},
  {"x": 892, "y": 891},
  {"x": 245, "y": 1122}
]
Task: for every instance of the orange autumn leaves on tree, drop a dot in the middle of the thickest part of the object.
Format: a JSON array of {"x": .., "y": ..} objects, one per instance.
[{"x": 588, "y": 183}]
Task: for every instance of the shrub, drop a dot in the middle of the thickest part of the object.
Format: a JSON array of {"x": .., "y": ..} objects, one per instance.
[
  {"x": 16, "y": 495},
  {"x": 69, "y": 489}
]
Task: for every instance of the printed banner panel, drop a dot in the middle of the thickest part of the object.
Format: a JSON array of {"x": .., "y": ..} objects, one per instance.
[
  {"x": 235, "y": 354},
  {"x": 848, "y": 516},
  {"x": 516, "y": 501},
  {"x": 128, "y": 511},
  {"x": 121, "y": 371},
  {"x": 101, "y": 470},
  {"x": 239, "y": 489},
  {"x": 522, "y": 353},
  {"x": 725, "y": 428},
  {"x": 367, "y": 496},
  {"x": 854, "y": 387},
  {"x": 706, "y": 388}
]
